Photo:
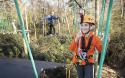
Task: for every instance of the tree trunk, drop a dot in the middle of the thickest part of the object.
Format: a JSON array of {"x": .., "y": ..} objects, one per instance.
[
  {"x": 58, "y": 21},
  {"x": 122, "y": 8}
]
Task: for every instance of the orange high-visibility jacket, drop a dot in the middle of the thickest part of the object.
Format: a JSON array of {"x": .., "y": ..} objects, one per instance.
[{"x": 96, "y": 43}]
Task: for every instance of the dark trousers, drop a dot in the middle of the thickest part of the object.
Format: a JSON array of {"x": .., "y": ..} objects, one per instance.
[
  {"x": 85, "y": 71},
  {"x": 51, "y": 28}
]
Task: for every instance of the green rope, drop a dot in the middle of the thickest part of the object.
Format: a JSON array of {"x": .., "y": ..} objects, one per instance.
[
  {"x": 105, "y": 38},
  {"x": 101, "y": 17},
  {"x": 100, "y": 29},
  {"x": 25, "y": 37}
]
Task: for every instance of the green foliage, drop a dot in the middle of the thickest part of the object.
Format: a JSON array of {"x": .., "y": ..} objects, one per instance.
[
  {"x": 117, "y": 43},
  {"x": 51, "y": 47},
  {"x": 11, "y": 38},
  {"x": 12, "y": 43}
]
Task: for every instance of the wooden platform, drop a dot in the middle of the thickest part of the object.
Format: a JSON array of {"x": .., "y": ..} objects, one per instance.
[{"x": 22, "y": 68}]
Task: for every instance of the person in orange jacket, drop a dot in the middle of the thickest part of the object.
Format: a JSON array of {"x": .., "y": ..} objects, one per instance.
[{"x": 83, "y": 46}]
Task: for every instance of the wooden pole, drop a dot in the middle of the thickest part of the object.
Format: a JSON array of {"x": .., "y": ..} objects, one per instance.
[
  {"x": 60, "y": 14},
  {"x": 23, "y": 10},
  {"x": 27, "y": 27},
  {"x": 33, "y": 19},
  {"x": 122, "y": 8}
]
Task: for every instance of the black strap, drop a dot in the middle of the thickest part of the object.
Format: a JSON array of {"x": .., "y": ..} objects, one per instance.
[
  {"x": 85, "y": 49},
  {"x": 78, "y": 4}
]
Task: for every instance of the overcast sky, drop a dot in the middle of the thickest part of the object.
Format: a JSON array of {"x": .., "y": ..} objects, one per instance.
[
  {"x": 50, "y": 2},
  {"x": 55, "y": 2}
]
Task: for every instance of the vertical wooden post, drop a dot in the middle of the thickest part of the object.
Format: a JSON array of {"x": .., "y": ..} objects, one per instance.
[
  {"x": 60, "y": 14},
  {"x": 22, "y": 11},
  {"x": 27, "y": 27},
  {"x": 122, "y": 8},
  {"x": 25, "y": 48},
  {"x": 33, "y": 19}
]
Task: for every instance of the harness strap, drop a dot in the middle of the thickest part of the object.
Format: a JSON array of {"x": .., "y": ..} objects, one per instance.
[
  {"x": 83, "y": 43},
  {"x": 83, "y": 50}
]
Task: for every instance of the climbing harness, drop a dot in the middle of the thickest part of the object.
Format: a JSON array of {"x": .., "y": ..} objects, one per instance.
[{"x": 82, "y": 53}]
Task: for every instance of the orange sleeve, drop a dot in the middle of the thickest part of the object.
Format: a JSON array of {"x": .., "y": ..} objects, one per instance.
[
  {"x": 73, "y": 46},
  {"x": 98, "y": 44}
]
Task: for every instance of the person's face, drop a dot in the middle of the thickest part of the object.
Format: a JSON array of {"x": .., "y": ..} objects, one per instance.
[
  {"x": 52, "y": 13},
  {"x": 85, "y": 27}
]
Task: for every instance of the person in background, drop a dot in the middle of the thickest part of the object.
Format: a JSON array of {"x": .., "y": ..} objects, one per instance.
[{"x": 50, "y": 19}]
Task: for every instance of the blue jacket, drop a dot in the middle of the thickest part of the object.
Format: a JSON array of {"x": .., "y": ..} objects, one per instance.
[{"x": 51, "y": 18}]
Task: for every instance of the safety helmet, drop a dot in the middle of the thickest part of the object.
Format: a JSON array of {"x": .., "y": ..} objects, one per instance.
[{"x": 88, "y": 19}]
